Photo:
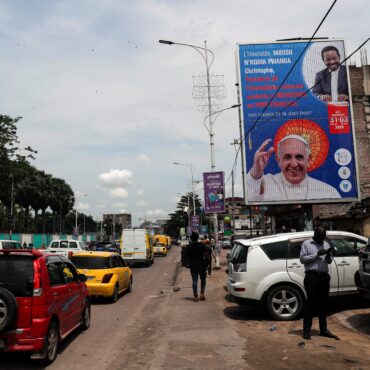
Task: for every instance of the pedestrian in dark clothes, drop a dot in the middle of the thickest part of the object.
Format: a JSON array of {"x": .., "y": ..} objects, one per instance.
[
  {"x": 316, "y": 255},
  {"x": 196, "y": 252},
  {"x": 209, "y": 254}
]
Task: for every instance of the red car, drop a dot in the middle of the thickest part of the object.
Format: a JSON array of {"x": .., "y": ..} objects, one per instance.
[{"x": 42, "y": 300}]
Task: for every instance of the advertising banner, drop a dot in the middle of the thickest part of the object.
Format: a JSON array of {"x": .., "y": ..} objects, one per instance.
[
  {"x": 195, "y": 223},
  {"x": 299, "y": 147},
  {"x": 214, "y": 192}
]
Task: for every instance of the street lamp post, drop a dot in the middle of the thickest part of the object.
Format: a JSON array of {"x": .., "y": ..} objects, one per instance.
[
  {"x": 204, "y": 53},
  {"x": 211, "y": 134},
  {"x": 192, "y": 180},
  {"x": 60, "y": 217},
  {"x": 10, "y": 220}
]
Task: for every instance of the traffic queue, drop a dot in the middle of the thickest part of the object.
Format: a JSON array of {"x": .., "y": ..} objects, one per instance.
[{"x": 46, "y": 294}]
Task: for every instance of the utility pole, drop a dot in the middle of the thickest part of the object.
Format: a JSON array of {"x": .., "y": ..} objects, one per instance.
[
  {"x": 60, "y": 217},
  {"x": 233, "y": 200},
  {"x": 114, "y": 228},
  {"x": 11, "y": 221}
]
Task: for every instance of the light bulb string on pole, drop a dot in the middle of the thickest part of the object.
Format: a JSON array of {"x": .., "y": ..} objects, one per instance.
[
  {"x": 216, "y": 114},
  {"x": 204, "y": 55}
]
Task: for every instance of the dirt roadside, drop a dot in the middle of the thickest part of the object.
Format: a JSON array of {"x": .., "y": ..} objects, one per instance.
[
  {"x": 218, "y": 334},
  {"x": 279, "y": 345}
]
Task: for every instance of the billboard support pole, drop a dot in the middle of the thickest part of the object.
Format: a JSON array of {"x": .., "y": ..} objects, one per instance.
[{"x": 241, "y": 141}]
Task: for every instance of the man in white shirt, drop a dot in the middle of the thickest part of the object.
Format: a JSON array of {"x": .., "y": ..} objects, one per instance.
[
  {"x": 331, "y": 83},
  {"x": 292, "y": 183}
]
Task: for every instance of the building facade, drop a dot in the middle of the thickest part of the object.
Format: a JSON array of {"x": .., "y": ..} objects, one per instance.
[
  {"x": 123, "y": 219},
  {"x": 354, "y": 216}
]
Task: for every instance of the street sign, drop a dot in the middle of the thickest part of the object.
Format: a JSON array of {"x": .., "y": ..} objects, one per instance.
[{"x": 75, "y": 231}]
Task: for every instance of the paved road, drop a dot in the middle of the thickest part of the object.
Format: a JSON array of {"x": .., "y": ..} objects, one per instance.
[{"x": 111, "y": 324}]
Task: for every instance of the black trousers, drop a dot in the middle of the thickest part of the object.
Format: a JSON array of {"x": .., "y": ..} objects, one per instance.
[
  {"x": 202, "y": 275},
  {"x": 317, "y": 286}
]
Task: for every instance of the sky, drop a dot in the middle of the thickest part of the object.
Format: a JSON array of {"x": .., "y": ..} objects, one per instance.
[{"x": 109, "y": 109}]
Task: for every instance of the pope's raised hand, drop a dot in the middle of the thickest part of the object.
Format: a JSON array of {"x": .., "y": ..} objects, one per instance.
[{"x": 261, "y": 158}]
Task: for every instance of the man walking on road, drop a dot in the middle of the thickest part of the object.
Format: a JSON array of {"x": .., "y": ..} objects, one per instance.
[
  {"x": 316, "y": 257},
  {"x": 196, "y": 252},
  {"x": 209, "y": 253}
]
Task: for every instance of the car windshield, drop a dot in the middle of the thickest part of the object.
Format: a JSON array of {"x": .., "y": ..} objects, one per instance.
[
  {"x": 91, "y": 263},
  {"x": 16, "y": 274},
  {"x": 102, "y": 244}
]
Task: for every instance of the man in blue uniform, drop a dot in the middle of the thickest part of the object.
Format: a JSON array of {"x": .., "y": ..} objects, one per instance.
[{"x": 316, "y": 257}]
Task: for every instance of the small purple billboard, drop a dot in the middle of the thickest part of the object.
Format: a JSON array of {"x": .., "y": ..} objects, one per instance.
[
  {"x": 214, "y": 192},
  {"x": 195, "y": 223}
]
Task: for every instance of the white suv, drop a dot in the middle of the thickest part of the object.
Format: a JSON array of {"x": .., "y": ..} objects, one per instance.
[
  {"x": 65, "y": 247},
  {"x": 268, "y": 270}
]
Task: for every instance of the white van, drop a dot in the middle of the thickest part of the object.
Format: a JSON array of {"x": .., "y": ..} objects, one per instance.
[{"x": 137, "y": 247}]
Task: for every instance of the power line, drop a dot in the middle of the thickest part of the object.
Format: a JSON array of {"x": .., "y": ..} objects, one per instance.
[
  {"x": 279, "y": 87},
  {"x": 293, "y": 66},
  {"x": 308, "y": 90}
]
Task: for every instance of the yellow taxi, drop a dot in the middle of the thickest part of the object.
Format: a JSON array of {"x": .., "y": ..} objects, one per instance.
[
  {"x": 159, "y": 248},
  {"x": 107, "y": 273}
]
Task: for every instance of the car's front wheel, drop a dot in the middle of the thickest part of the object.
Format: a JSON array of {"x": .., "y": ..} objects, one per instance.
[{"x": 284, "y": 303}]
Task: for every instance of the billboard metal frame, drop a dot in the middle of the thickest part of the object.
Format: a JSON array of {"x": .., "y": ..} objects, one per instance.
[{"x": 245, "y": 139}]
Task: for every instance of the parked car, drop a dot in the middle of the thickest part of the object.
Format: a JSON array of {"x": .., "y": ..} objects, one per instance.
[
  {"x": 10, "y": 244},
  {"x": 107, "y": 273},
  {"x": 267, "y": 270},
  {"x": 42, "y": 300},
  {"x": 65, "y": 247},
  {"x": 107, "y": 246},
  {"x": 363, "y": 275}
]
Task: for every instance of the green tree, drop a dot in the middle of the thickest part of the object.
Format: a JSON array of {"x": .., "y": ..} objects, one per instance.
[{"x": 180, "y": 217}]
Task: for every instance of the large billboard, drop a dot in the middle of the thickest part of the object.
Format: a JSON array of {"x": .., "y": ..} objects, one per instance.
[
  {"x": 299, "y": 148},
  {"x": 214, "y": 192}
]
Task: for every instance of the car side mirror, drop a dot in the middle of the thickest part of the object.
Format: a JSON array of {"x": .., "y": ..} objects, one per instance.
[{"x": 82, "y": 278}]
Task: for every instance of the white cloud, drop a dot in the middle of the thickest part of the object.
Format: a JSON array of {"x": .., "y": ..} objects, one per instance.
[
  {"x": 144, "y": 158},
  {"x": 79, "y": 194},
  {"x": 175, "y": 199},
  {"x": 140, "y": 192},
  {"x": 119, "y": 205},
  {"x": 157, "y": 212},
  {"x": 142, "y": 203},
  {"x": 118, "y": 192},
  {"x": 116, "y": 178},
  {"x": 82, "y": 206}
]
